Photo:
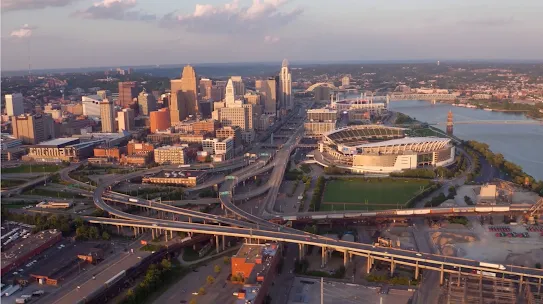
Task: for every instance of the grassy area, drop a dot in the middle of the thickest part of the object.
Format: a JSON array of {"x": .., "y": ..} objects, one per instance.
[
  {"x": 190, "y": 255},
  {"x": 8, "y": 183},
  {"x": 424, "y": 132},
  {"x": 369, "y": 194},
  {"x": 32, "y": 169},
  {"x": 52, "y": 193},
  {"x": 16, "y": 205}
]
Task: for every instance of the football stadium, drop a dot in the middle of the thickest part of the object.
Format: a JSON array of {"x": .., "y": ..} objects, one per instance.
[{"x": 383, "y": 149}]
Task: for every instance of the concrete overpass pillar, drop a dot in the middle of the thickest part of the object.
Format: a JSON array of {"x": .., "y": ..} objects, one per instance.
[
  {"x": 369, "y": 263},
  {"x": 520, "y": 284},
  {"x": 417, "y": 270},
  {"x": 323, "y": 257},
  {"x": 345, "y": 258},
  {"x": 118, "y": 229},
  {"x": 217, "y": 243},
  {"x": 301, "y": 251},
  {"x": 135, "y": 232},
  {"x": 171, "y": 234},
  {"x": 153, "y": 233},
  {"x": 166, "y": 235},
  {"x": 392, "y": 266},
  {"x": 350, "y": 257},
  {"x": 441, "y": 275},
  {"x": 223, "y": 243},
  {"x": 190, "y": 219}
]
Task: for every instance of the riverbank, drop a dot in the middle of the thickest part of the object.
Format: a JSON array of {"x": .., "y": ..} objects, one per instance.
[{"x": 520, "y": 144}]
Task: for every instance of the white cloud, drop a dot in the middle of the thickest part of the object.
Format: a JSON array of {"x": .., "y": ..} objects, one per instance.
[
  {"x": 230, "y": 18},
  {"x": 271, "y": 39},
  {"x": 24, "y": 32},
  {"x": 15, "y": 5},
  {"x": 114, "y": 9}
]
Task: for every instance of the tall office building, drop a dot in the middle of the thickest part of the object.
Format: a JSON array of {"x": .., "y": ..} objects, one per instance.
[
  {"x": 91, "y": 105},
  {"x": 127, "y": 93},
  {"x": 285, "y": 87},
  {"x": 107, "y": 115},
  {"x": 146, "y": 103},
  {"x": 239, "y": 86},
  {"x": 14, "y": 104},
  {"x": 229, "y": 96},
  {"x": 184, "y": 96},
  {"x": 177, "y": 110},
  {"x": 33, "y": 129},
  {"x": 268, "y": 89},
  {"x": 205, "y": 88},
  {"x": 159, "y": 120},
  {"x": 190, "y": 90},
  {"x": 125, "y": 119}
]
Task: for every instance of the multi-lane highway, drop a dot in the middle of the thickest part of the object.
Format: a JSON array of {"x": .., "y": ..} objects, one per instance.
[{"x": 256, "y": 227}]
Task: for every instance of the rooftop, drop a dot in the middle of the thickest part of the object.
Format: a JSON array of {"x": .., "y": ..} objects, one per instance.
[
  {"x": 405, "y": 141},
  {"x": 180, "y": 174},
  {"x": 60, "y": 142},
  {"x": 27, "y": 245}
]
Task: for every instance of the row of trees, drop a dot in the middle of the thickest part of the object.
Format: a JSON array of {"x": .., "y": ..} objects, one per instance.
[
  {"x": 436, "y": 201},
  {"x": 518, "y": 176},
  {"x": 316, "y": 199},
  {"x": 60, "y": 222},
  {"x": 155, "y": 277}
]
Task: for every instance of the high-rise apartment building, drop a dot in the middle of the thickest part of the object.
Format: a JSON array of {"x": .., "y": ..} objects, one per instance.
[
  {"x": 159, "y": 120},
  {"x": 240, "y": 115},
  {"x": 33, "y": 129},
  {"x": 146, "y": 103},
  {"x": 205, "y": 88},
  {"x": 226, "y": 132},
  {"x": 103, "y": 94},
  {"x": 127, "y": 93},
  {"x": 125, "y": 119},
  {"x": 268, "y": 89},
  {"x": 239, "y": 86},
  {"x": 14, "y": 104},
  {"x": 285, "y": 87},
  {"x": 217, "y": 92},
  {"x": 107, "y": 115}
]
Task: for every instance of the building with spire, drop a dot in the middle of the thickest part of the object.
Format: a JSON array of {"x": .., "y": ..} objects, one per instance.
[
  {"x": 229, "y": 95},
  {"x": 285, "y": 87}
]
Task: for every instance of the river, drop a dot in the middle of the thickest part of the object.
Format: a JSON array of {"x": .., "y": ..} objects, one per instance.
[{"x": 520, "y": 144}]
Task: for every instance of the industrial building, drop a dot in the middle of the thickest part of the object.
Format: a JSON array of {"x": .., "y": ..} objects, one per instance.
[
  {"x": 61, "y": 149},
  {"x": 28, "y": 248}
]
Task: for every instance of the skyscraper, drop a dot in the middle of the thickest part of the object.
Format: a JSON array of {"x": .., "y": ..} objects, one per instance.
[
  {"x": 184, "y": 96},
  {"x": 14, "y": 104},
  {"x": 205, "y": 88},
  {"x": 33, "y": 129},
  {"x": 146, "y": 103},
  {"x": 269, "y": 95},
  {"x": 285, "y": 87},
  {"x": 177, "y": 110},
  {"x": 239, "y": 86},
  {"x": 127, "y": 93},
  {"x": 107, "y": 115},
  {"x": 189, "y": 90},
  {"x": 125, "y": 119},
  {"x": 229, "y": 96}
]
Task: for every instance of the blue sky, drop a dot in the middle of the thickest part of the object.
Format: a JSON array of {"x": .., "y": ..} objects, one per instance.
[{"x": 83, "y": 33}]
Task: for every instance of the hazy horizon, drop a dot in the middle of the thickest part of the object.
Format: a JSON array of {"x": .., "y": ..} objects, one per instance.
[{"x": 60, "y": 34}]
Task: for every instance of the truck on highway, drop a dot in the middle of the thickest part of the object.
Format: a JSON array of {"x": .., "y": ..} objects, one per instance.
[
  {"x": 486, "y": 273},
  {"x": 490, "y": 265},
  {"x": 133, "y": 200}
]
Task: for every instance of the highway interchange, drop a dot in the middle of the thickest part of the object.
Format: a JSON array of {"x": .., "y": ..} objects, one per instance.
[{"x": 258, "y": 227}]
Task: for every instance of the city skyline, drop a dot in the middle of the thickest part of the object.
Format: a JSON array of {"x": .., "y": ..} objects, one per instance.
[{"x": 197, "y": 32}]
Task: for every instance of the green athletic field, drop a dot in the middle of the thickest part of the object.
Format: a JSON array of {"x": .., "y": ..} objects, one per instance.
[{"x": 372, "y": 194}]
